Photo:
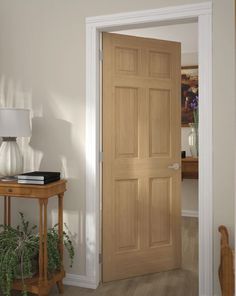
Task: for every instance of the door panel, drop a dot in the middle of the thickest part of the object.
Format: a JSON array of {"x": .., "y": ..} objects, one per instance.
[
  {"x": 141, "y": 138},
  {"x": 126, "y": 204},
  {"x": 159, "y": 64},
  {"x": 159, "y": 212},
  {"x": 126, "y": 122},
  {"x": 159, "y": 118},
  {"x": 126, "y": 61}
]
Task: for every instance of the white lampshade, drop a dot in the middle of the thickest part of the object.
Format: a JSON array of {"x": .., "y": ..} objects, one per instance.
[{"x": 14, "y": 122}]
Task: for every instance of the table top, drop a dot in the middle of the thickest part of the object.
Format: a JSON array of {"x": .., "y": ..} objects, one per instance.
[
  {"x": 190, "y": 159},
  {"x": 15, "y": 184},
  {"x": 12, "y": 188}
]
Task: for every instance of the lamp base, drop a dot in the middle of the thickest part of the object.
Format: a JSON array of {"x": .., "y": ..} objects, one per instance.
[{"x": 11, "y": 160}]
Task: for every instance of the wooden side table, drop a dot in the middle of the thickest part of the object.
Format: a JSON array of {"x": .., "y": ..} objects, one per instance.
[
  {"x": 190, "y": 168},
  {"x": 40, "y": 284}
]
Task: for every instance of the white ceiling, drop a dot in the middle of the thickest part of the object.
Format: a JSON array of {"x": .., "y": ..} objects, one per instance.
[{"x": 187, "y": 34}]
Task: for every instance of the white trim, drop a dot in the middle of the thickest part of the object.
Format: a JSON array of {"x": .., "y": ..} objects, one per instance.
[
  {"x": 92, "y": 154},
  {"x": 188, "y": 213},
  {"x": 146, "y": 17},
  {"x": 205, "y": 159},
  {"x": 79, "y": 281},
  {"x": 95, "y": 25}
]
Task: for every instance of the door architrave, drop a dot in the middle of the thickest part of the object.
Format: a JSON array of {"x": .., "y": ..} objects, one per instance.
[{"x": 202, "y": 13}]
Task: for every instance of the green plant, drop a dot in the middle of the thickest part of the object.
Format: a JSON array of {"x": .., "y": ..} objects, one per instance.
[
  {"x": 54, "y": 261},
  {"x": 19, "y": 249}
]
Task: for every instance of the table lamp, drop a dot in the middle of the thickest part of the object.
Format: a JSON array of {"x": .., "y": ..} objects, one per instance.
[{"x": 13, "y": 123}]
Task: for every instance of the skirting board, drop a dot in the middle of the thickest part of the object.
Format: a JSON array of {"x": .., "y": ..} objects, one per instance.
[
  {"x": 186, "y": 213},
  {"x": 79, "y": 281}
]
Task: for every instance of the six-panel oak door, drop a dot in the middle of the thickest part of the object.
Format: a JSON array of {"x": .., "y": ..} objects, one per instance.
[{"x": 141, "y": 223}]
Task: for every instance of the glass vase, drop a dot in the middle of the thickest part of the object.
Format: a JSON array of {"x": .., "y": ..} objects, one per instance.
[{"x": 193, "y": 139}]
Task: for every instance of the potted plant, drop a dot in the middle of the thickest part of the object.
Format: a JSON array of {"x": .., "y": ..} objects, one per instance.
[{"x": 19, "y": 250}]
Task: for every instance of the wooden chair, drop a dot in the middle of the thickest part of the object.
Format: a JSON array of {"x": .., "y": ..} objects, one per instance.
[{"x": 226, "y": 269}]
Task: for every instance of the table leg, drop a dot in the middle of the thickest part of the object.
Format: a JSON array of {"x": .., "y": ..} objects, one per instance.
[
  {"x": 40, "y": 240},
  {"x": 9, "y": 211},
  {"x": 60, "y": 224},
  {"x": 60, "y": 235},
  {"x": 45, "y": 251},
  {"x": 60, "y": 287},
  {"x": 5, "y": 210}
]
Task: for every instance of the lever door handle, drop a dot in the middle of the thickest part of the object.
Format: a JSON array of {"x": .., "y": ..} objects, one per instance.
[{"x": 175, "y": 166}]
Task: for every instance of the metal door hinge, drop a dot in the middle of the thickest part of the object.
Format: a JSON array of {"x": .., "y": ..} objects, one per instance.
[
  {"x": 100, "y": 258},
  {"x": 101, "y": 156},
  {"x": 101, "y": 55}
]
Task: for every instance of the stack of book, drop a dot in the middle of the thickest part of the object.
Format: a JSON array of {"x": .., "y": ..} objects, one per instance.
[{"x": 38, "y": 177}]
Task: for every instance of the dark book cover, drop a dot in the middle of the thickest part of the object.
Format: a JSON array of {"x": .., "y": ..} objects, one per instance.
[
  {"x": 38, "y": 175},
  {"x": 38, "y": 182}
]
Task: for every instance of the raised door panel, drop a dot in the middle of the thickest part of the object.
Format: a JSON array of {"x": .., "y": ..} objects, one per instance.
[
  {"x": 126, "y": 122},
  {"x": 159, "y": 65},
  {"x": 126, "y": 61},
  {"x": 159, "y": 122},
  {"x": 159, "y": 212},
  {"x": 126, "y": 215}
]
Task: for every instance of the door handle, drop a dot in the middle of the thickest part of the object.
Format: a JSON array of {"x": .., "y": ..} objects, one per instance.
[{"x": 175, "y": 166}]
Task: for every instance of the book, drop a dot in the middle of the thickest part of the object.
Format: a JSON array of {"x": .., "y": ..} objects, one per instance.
[
  {"x": 38, "y": 175},
  {"x": 38, "y": 182}
]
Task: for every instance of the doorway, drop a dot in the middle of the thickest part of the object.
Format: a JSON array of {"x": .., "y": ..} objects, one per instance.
[{"x": 201, "y": 13}]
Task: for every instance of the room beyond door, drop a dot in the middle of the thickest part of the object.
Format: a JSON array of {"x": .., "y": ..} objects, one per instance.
[{"x": 141, "y": 220}]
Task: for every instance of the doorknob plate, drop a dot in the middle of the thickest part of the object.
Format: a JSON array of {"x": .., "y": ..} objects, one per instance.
[{"x": 175, "y": 166}]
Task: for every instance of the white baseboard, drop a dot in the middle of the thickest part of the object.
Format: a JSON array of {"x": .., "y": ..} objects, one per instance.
[
  {"x": 186, "y": 213},
  {"x": 79, "y": 281}
]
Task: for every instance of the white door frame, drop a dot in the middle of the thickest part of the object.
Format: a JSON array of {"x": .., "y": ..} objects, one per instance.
[{"x": 202, "y": 13}]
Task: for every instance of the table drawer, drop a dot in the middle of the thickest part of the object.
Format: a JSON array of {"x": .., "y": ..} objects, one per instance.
[{"x": 11, "y": 191}]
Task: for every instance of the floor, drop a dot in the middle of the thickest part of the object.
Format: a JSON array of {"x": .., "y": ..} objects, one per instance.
[{"x": 182, "y": 282}]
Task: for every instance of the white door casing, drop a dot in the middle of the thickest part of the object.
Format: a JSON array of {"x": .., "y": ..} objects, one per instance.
[{"x": 202, "y": 13}]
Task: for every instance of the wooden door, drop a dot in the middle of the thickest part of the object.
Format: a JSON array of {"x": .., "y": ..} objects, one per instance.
[{"x": 141, "y": 142}]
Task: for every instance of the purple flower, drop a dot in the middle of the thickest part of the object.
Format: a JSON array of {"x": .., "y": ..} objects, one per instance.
[{"x": 194, "y": 103}]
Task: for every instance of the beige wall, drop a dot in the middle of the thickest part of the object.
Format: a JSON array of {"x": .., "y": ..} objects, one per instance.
[
  {"x": 42, "y": 64},
  {"x": 223, "y": 119}
]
